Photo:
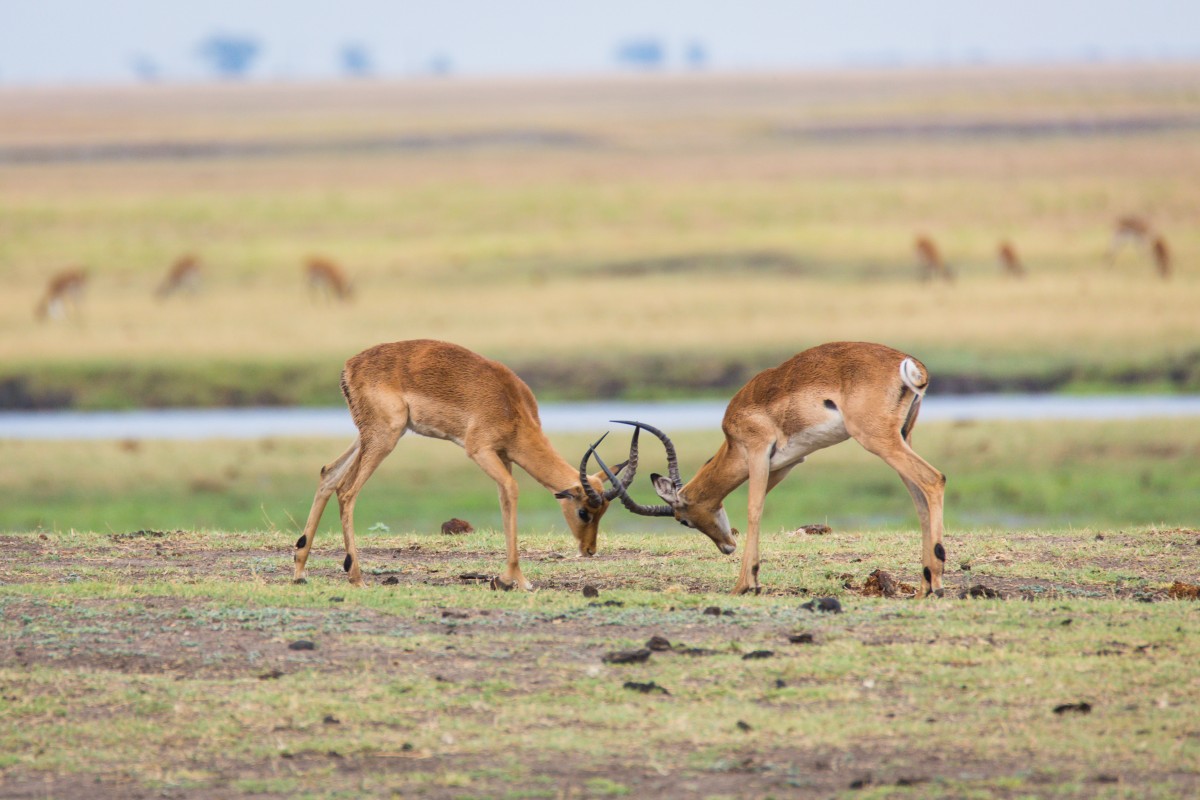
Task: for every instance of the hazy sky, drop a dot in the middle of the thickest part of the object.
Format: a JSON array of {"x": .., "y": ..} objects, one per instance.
[{"x": 63, "y": 41}]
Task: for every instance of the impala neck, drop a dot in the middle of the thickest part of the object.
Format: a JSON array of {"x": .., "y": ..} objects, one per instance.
[
  {"x": 537, "y": 456},
  {"x": 723, "y": 473}
]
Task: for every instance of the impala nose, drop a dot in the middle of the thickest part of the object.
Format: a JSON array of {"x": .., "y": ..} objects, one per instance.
[{"x": 727, "y": 548}]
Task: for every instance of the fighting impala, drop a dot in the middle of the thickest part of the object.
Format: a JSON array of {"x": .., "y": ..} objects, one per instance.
[
  {"x": 444, "y": 391},
  {"x": 818, "y": 398}
]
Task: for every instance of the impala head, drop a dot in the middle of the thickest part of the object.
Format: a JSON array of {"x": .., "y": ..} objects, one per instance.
[
  {"x": 583, "y": 505},
  {"x": 708, "y": 518}
]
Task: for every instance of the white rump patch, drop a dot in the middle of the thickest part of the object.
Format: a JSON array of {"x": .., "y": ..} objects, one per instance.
[{"x": 912, "y": 376}]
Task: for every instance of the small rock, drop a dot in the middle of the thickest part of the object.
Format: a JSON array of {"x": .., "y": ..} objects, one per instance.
[
  {"x": 646, "y": 688},
  {"x": 1073, "y": 708},
  {"x": 330, "y": 719},
  {"x": 814, "y": 530},
  {"x": 302, "y": 644},
  {"x": 829, "y": 605},
  {"x": 712, "y": 611},
  {"x": 801, "y": 638},
  {"x": 627, "y": 657},
  {"x": 391, "y": 580},
  {"x": 474, "y": 576},
  {"x": 337, "y": 599},
  {"x": 980, "y": 591},
  {"x": 780, "y": 683},
  {"x": 591, "y": 591},
  {"x": 758, "y": 654},
  {"x": 743, "y": 726},
  {"x": 450, "y": 613},
  {"x": 455, "y": 526},
  {"x": 696, "y": 651},
  {"x": 658, "y": 643},
  {"x": 271, "y": 675}
]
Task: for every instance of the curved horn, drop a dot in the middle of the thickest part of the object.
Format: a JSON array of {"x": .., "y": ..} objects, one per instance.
[
  {"x": 594, "y": 499},
  {"x": 628, "y": 471},
  {"x": 672, "y": 461},
  {"x": 626, "y": 500}
]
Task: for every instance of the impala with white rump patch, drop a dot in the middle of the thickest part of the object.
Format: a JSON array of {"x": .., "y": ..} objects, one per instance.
[{"x": 820, "y": 397}]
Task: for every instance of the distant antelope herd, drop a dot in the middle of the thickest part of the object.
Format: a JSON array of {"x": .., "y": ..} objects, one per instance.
[
  {"x": 63, "y": 295},
  {"x": 326, "y": 280}
]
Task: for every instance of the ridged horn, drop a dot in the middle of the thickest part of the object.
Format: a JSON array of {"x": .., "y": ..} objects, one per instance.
[
  {"x": 626, "y": 500},
  {"x": 672, "y": 460}
]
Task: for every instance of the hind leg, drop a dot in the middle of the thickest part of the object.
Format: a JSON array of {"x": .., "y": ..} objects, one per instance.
[
  {"x": 374, "y": 449},
  {"x": 332, "y": 476}
]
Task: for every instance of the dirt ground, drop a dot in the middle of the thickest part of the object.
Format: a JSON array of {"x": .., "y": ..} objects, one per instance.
[{"x": 189, "y": 639}]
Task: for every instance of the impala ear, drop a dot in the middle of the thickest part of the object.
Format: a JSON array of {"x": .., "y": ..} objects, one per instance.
[
  {"x": 615, "y": 471},
  {"x": 665, "y": 488}
]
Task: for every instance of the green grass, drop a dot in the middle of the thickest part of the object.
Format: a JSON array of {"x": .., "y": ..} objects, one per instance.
[{"x": 1001, "y": 475}]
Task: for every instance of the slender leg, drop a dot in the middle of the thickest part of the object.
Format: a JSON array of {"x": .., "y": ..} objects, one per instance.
[
  {"x": 928, "y": 488},
  {"x": 332, "y": 476},
  {"x": 760, "y": 475},
  {"x": 500, "y": 470},
  {"x": 375, "y": 448}
]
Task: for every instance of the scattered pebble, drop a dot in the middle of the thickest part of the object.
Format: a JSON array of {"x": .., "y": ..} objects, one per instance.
[
  {"x": 302, "y": 644},
  {"x": 758, "y": 654},
  {"x": 591, "y": 591},
  {"x": 658, "y": 643},
  {"x": 627, "y": 657},
  {"x": 743, "y": 726},
  {"x": 1073, "y": 708},
  {"x": 980, "y": 591},
  {"x": 391, "y": 580},
  {"x": 801, "y": 638},
  {"x": 271, "y": 675},
  {"x": 814, "y": 530},
  {"x": 716, "y": 611},
  {"x": 646, "y": 688},
  {"x": 829, "y": 605},
  {"x": 337, "y": 599},
  {"x": 330, "y": 719}
]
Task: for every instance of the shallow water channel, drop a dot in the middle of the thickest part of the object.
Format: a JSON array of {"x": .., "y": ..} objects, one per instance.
[{"x": 252, "y": 423}]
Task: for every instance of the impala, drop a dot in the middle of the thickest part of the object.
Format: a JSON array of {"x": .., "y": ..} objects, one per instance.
[
  {"x": 1010, "y": 263},
  {"x": 444, "y": 391},
  {"x": 184, "y": 275},
  {"x": 818, "y": 398},
  {"x": 929, "y": 260},
  {"x": 326, "y": 278},
  {"x": 1162, "y": 256},
  {"x": 1141, "y": 234},
  {"x": 62, "y": 295}
]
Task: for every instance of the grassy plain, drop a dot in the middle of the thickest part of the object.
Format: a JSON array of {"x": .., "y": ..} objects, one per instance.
[{"x": 695, "y": 223}]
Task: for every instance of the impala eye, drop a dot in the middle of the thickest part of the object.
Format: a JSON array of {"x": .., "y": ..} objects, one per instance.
[
  {"x": 583, "y": 514},
  {"x": 685, "y": 523}
]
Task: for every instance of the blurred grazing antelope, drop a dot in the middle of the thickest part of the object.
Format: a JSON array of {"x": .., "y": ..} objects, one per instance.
[
  {"x": 1010, "y": 263},
  {"x": 1140, "y": 233},
  {"x": 184, "y": 276},
  {"x": 444, "y": 391},
  {"x": 326, "y": 278},
  {"x": 64, "y": 292},
  {"x": 929, "y": 260},
  {"x": 818, "y": 398},
  {"x": 1162, "y": 256}
]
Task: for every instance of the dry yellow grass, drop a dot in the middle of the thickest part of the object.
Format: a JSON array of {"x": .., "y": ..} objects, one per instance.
[{"x": 503, "y": 247}]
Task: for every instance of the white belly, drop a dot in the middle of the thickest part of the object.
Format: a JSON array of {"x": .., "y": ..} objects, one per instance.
[
  {"x": 424, "y": 429},
  {"x": 809, "y": 440}
]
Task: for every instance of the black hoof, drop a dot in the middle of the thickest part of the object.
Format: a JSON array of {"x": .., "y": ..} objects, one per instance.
[
  {"x": 300, "y": 581},
  {"x": 498, "y": 585}
]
